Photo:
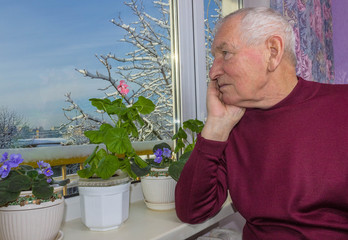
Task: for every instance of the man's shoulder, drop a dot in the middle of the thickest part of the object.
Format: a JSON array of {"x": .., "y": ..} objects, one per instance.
[{"x": 329, "y": 88}]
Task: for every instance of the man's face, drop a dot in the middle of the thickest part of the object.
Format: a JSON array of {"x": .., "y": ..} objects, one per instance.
[{"x": 240, "y": 70}]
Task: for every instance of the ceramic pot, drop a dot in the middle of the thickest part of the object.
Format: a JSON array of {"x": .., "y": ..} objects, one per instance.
[
  {"x": 104, "y": 203},
  {"x": 32, "y": 221},
  {"x": 159, "y": 190}
]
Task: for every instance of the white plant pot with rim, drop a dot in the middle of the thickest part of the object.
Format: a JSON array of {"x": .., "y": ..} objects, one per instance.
[
  {"x": 32, "y": 221},
  {"x": 159, "y": 189},
  {"x": 104, "y": 203}
]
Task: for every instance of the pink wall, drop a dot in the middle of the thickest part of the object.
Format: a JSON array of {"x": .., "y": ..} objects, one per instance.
[{"x": 340, "y": 39}]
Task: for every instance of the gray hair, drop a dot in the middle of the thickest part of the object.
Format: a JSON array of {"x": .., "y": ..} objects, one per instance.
[{"x": 258, "y": 24}]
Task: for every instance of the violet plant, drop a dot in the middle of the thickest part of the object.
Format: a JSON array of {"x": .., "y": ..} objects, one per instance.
[
  {"x": 163, "y": 156},
  {"x": 15, "y": 177}
]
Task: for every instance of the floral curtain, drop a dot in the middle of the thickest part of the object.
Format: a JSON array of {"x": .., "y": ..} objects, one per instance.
[{"x": 312, "y": 22}]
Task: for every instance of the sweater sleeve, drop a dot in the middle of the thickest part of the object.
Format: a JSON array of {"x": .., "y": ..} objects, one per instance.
[{"x": 202, "y": 186}]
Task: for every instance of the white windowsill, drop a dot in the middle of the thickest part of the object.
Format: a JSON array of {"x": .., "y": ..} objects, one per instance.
[{"x": 142, "y": 223}]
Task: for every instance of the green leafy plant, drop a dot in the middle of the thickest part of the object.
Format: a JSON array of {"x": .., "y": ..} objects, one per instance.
[
  {"x": 103, "y": 162},
  {"x": 191, "y": 127},
  {"x": 15, "y": 178}
]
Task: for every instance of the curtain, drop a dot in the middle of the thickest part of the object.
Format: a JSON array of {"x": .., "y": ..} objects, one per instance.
[{"x": 312, "y": 22}]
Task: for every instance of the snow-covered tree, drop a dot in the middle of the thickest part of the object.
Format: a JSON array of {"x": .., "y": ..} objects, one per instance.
[
  {"x": 147, "y": 68},
  {"x": 213, "y": 13},
  {"x": 10, "y": 123}
]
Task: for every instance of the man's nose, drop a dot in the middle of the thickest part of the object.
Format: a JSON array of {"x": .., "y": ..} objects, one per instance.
[{"x": 216, "y": 70}]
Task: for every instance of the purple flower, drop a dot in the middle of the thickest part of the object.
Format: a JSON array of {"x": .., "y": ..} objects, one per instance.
[
  {"x": 158, "y": 159},
  {"x": 4, "y": 157},
  {"x": 15, "y": 160},
  {"x": 49, "y": 180},
  {"x": 5, "y": 169},
  {"x": 167, "y": 152},
  {"x": 48, "y": 171},
  {"x": 42, "y": 164},
  {"x": 158, "y": 153}
]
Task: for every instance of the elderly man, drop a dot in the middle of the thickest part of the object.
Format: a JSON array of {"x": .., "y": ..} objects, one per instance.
[{"x": 278, "y": 143}]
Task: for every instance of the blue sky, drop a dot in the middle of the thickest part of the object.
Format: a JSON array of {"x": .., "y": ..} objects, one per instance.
[{"x": 41, "y": 44}]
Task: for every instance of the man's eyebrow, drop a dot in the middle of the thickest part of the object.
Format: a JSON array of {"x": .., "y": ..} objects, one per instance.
[{"x": 222, "y": 45}]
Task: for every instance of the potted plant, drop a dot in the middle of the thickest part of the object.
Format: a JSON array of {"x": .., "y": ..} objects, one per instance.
[
  {"x": 158, "y": 186},
  {"x": 105, "y": 179},
  {"x": 31, "y": 205},
  {"x": 190, "y": 127}
]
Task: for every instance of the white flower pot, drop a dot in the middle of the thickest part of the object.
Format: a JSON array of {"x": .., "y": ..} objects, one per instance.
[
  {"x": 31, "y": 221},
  {"x": 159, "y": 191},
  {"x": 104, "y": 208}
]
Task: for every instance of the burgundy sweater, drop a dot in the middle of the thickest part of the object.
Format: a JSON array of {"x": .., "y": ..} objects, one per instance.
[{"x": 286, "y": 169}]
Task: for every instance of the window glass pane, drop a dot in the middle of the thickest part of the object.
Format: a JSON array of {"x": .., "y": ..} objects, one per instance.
[
  {"x": 215, "y": 10},
  {"x": 56, "y": 55},
  {"x": 212, "y": 14}
]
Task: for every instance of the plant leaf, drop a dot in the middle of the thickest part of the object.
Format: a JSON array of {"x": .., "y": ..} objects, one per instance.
[
  {"x": 107, "y": 166},
  {"x": 189, "y": 147},
  {"x": 194, "y": 125},
  {"x": 99, "y": 103},
  {"x": 117, "y": 141},
  {"x": 180, "y": 134},
  {"x": 139, "y": 161},
  {"x": 138, "y": 171},
  {"x": 179, "y": 144},
  {"x": 101, "y": 154},
  {"x": 144, "y": 105},
  {"x": 6, "y": 197},
  {"x": 87, "y": 172},
  {"x": 25, "y": 167},
  {"x": 19, "y": 183},
  {"x": 176, "y": 167},
  {"x": 117, "y": 107},
  {"x": 32, "y": 173},
  {"x": 97, "y": 136},
  {"x": 126, "y": 167},
  {"x": 42, "y": 189}
]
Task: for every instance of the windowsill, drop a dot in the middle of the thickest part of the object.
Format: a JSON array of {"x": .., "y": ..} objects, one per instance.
[{"x": 144, "y": 223}]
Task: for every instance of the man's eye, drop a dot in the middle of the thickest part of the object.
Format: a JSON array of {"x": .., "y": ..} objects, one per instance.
[{"x": 226, "y": 54}]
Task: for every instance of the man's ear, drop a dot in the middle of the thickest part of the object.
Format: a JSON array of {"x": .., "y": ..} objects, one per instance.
[{"x": 275, "y": 46}]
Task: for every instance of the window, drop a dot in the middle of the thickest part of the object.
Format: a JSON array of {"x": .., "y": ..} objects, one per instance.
[
  {"x": 56, "y": 55},
  {"x": 44, "y": 42}
]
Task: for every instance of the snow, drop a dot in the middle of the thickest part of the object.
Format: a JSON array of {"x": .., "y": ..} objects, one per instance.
[{"x": 73, "y": 151}]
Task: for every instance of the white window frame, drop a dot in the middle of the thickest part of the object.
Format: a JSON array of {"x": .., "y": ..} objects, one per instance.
[{"x": 189, "y": 51}]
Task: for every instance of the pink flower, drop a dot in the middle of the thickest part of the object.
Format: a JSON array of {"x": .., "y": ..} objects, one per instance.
[{"x": 122, "y": 88}]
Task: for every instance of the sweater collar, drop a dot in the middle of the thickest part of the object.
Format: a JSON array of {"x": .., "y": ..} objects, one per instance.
[{"x": 303, "y": 91}]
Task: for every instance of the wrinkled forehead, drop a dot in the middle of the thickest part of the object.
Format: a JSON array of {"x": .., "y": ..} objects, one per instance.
[{"x": 227, "y": 35}]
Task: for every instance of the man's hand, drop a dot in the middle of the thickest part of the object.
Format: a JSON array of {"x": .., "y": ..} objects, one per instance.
[{"x": 221, "y": 117}]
